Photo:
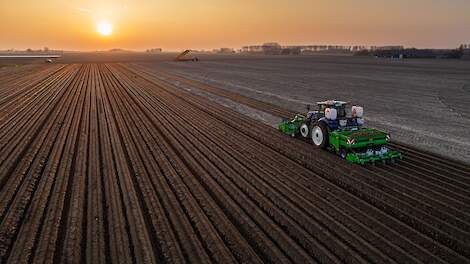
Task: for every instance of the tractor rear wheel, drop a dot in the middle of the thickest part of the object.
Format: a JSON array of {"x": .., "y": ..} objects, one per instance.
[{"x": 320, "y": 135}]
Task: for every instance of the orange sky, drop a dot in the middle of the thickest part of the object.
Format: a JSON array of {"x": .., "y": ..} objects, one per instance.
[{"x": 175, "y": 25}]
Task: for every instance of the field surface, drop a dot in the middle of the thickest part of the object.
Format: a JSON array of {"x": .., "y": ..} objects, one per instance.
[
  {"x": 421, "y": 102},
  {"x": 127, "y": 163}
]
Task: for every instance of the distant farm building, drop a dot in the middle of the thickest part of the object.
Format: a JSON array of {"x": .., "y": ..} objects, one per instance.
[
  {"x": 413, "y": 53},
  {"x": 386, "y": 47},
  {"x": 224, "y": 50},
  {"x": 252, "y": 49},
  {"x": 274, "y": 48},
  {"x": 156, "y": 50},
  {"x": 271, "y": 48}
]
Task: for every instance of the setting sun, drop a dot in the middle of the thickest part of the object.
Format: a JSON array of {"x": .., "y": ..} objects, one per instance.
[{"x": 104, "y": 28}]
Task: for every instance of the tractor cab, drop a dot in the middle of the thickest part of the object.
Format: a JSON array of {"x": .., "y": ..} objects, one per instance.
[
  {"x": 334, "y": 114},
  {"x": 340, "y": 106}
]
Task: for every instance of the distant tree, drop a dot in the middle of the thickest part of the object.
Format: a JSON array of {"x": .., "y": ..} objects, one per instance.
[
  {"x": 458, "y": 53},
  {"x": 363, "y": 52},
  {"x": 46, "y": 49},
  {"x": 29, "y": 50}
]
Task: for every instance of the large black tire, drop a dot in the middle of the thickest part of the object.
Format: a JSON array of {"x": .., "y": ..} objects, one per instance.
[{"x": 319, "y": 135}]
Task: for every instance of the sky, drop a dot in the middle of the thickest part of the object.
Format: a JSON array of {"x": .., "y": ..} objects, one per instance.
[{"x": 207, "y": 24}]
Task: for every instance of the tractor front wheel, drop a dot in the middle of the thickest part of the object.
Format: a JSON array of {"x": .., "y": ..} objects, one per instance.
[
  {"x": 304, "y": 130},
  {"x": 320, "y": 135}
]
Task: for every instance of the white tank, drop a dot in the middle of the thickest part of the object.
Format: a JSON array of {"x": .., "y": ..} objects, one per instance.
[
  {"x": 331, "y": 113},
  {"x": 357, "y": 111}
]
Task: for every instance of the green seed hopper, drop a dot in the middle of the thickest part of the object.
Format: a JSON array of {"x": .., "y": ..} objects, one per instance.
[{"x": 362, "y": 145}]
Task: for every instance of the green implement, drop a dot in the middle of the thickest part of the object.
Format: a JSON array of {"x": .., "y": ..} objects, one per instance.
[
  {"x": 363, "y": 145},
  {"x": 291, "y": 127}
]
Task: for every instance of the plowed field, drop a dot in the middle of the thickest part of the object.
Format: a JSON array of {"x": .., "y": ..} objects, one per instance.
[{"x": 107, "y": 163}]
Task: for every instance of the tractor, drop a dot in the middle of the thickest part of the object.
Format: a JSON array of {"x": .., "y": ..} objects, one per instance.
[{"x": 330, "y": 127}]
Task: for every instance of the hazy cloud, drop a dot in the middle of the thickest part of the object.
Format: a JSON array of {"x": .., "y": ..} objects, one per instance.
[{"x": 83, "y": 9}]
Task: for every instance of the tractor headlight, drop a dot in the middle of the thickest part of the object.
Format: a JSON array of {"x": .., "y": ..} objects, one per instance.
[{"x": 351, "y": 141}]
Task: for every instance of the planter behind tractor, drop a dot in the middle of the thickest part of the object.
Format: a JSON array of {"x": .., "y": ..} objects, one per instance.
[{"x": 330, "y": 128}]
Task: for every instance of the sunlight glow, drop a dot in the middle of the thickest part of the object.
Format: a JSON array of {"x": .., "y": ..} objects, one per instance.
[{"x": 104, "y": 28}]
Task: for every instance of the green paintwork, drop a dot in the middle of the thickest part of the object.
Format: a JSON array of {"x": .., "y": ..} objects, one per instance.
[
  {"x": 291, "y": 127},
  {"x": 364, "y": 158},
  {"x": 362, "y": 138},
  {"x": 352, "y": 140}
]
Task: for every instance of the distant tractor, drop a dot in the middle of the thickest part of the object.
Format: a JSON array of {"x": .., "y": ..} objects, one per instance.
[
  {"x": 49, "y": 61},
  {"x": 329, "y": 127},
  {"x": 183, "y": 56}
]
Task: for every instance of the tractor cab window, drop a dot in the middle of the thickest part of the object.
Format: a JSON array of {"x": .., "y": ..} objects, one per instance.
[
  {"x": 340, "y": 108},
  {"x": 341, "y": 111}
]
